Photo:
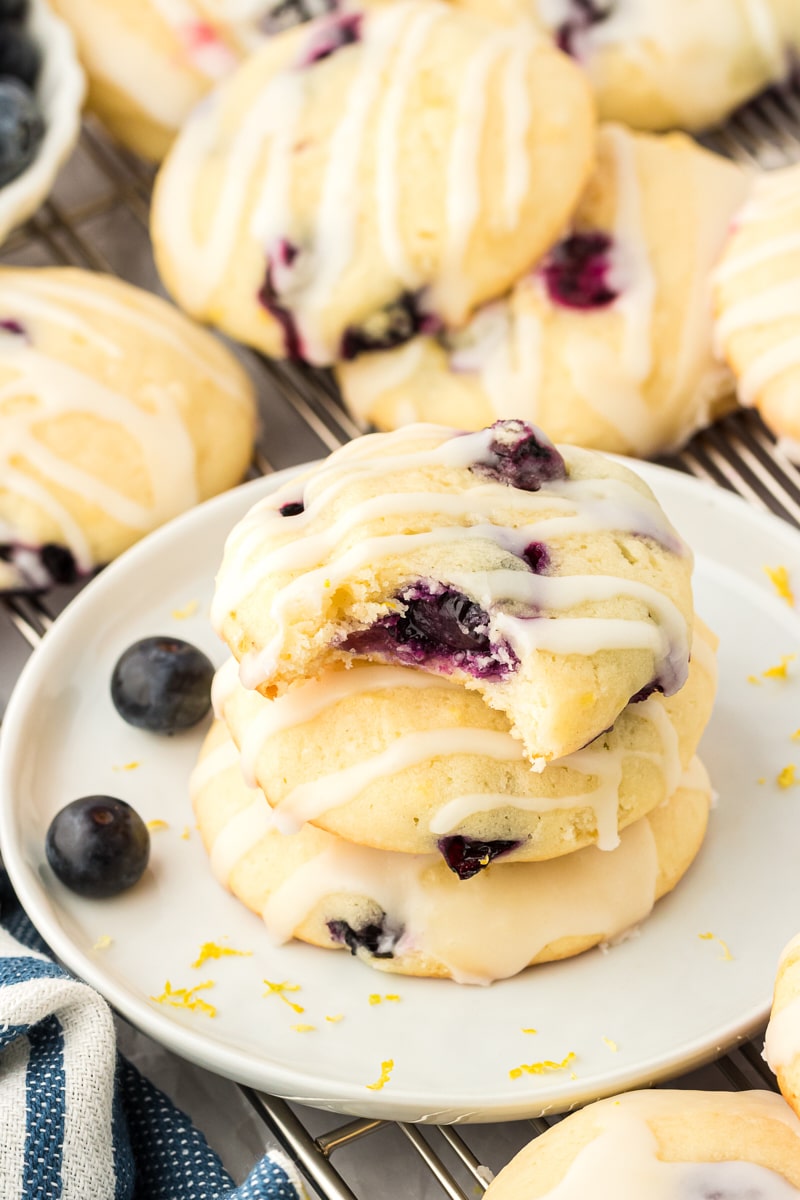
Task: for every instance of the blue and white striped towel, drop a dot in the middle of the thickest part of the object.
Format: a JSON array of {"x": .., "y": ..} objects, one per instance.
[{"x": 78, "y": 1122}]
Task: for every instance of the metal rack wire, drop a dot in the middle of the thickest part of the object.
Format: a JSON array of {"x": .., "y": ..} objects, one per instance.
[{"x": 97, "y": 218}]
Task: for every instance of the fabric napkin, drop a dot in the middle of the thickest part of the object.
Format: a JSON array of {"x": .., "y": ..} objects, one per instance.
[{"x": 77, "y": 1121}]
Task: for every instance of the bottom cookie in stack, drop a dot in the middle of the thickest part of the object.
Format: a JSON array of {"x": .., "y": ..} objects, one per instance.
[{"x": 410, "y": 914}]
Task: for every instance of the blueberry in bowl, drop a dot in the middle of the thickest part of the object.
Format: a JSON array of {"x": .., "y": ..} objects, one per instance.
[{"x": 41, "y": 92}]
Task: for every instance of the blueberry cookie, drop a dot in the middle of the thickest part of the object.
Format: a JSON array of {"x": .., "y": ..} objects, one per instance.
[
  {"x": 407, "y": 913},
  {"x": 366, "y": 177},
  {"x": 757, "y": 301},
  {"x": 608, "y": 342},
  {"x": 403, "y": 760},
  {"x": 665, "y": 1144},
  {"x": 549, "y": 581},
  {"x": 116, "y": 413},
  {"x": 667, "y": 64},
  {"x": 782, "y": 1043},
  {"x": 150, "y": 61}
]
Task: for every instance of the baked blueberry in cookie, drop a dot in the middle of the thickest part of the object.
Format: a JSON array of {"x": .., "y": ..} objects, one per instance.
[
  {"x": 467, "y": 856},
  {"x": 340, "y": 30},
  {"x": 377, "y": 940},
  {"x": 21, "y": 129},
  {"x": 584, "y": 14},
  {"x": 576, "y": 271}
]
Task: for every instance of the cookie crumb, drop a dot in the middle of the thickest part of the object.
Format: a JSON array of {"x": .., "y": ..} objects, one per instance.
[
  {"x": 213, "y": 950},
  {"x": 278, "y": 989},
  {"x": 541, "y": 1068},
  {"x": 386, "y": 1073},
  {"x": 188, "y": 610},
  {"x": 103, "y": 942},
  {"x": 779, "y": 578},
  {"x": 187, "y": 998}
]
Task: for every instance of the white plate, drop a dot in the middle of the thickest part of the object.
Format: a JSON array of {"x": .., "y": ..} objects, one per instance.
[{"x": 667, "y": 998}]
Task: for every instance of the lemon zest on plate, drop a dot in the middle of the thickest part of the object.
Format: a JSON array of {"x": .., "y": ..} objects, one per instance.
[
  {"x": 530, "y": 1030},
  {"x": 156, "y": 825},
  {"x": 386, "y": 1073},
  {"x": 779, "y": 578},
  {"x": 278, "y": 989},
  {"x": 726, "y": 955},
  {"x": 187, "y": 833},
  {"x": 612, "y": 1045},
  {"x": 781, "y": 670},
  {"x": 103, "y": 942},
  {"x": 787, "y": 777},
  {"x": 129, "y": 766},
  {"x": 213, "y": 950},
  {"x": 376, "y": 998},
  {"x": 187, "y": 998},
  {"x": 541, "y": 1068},
  {"x": 335, "y": 1020},
  {"x": 304, "y": 1028},
  {"x": 188, "y": 610}
]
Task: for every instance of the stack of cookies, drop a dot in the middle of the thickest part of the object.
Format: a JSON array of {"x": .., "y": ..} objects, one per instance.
[{"x": 458, "y": 733}]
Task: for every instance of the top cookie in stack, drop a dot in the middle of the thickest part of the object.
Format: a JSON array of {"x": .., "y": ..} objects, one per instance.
[{"x": 548, "y": 580}]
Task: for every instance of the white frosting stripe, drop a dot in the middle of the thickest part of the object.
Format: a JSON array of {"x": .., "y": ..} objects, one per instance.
[{"x": 239, "y": 836}]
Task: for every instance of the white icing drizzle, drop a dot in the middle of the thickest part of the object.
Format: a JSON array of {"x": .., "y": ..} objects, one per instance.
[
  {"x": 517, "y": 118},
  {"x": 765, "y": 33},
  {"x": 239, "y": 836},
  {"x": 387, "y": 142},
  {"x": 771, "y": 304},
  {"x": 59, "y": 389},
  {"x": 623, "y": 1160},
  {"x": 213, "y": 763},
  {"x": 336, "y": 221},
  {"x": 777, "y": 247},
  {"x": 767, "y": 367}
]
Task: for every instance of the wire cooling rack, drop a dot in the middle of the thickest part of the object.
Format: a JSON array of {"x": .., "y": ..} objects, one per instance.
[{"x": 97, "y": 218}]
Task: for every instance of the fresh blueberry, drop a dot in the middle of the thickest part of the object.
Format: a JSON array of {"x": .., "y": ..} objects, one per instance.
[
  {"x": 20, "y": 57},
  {"x": 98, "y": 846},
  {"x": 59, "y": 563},
  {"x": 293, "y": 509},
  {"x": 467, "y": 856},
  {"x": 21, "y": 129},
  {"x": 576, "y": 271},
  {"x": 521, "y": 457},
  {"x": 391, "y": 326},
  {"x": 376, "y": 938},
  {"x": 162, "y": 684}
]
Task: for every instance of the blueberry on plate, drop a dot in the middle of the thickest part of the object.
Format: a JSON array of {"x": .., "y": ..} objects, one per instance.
[
  {"x": 21, "y": 129},
  {"x": 13, "y": 10},
  {"x": 162, "y": 684},
  {"x": 98, "y": 846},
  {"x": 20, "y": 56}
]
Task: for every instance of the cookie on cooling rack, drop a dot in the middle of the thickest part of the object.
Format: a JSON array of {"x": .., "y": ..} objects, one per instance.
[
  {"x": 116, "y": 413},
  {"x": 367, "y": 176},
  {"x": 407, "y": 913},
  {"x": 667, "y": 64},
  {"x": 402, "y": 760},
  {"x": 150, "y": 61},
  {"x": 757, "y": 308},
  {"x": 608, "y": 342},
  {"x": 782, "y": 1043},
  {"x": 662, "y": 1143},
  {"x": 549, "y": 581}
]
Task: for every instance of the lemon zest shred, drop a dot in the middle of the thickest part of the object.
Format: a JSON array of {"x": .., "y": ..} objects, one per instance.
[
  {"x": 156, "y": 825},
  {"x": 304, "y": 1028},
  {"x": 779, "y": 578},
  {"x": 103, "y": 942},
  {"x": 612, "y": 1045},
  {"x": 335, "y": 1020},
  {"x": 187, "y": 998},
  {"x": 541, "y": 1068},
  {"x": 761, "y": 780},
  {"x": 726, "y": 955},
  {"x": 796, "y": 735},
  {"x": 530, "y": 1030},
  {"x": 129, "y": 766},
  {"x": 212, "y": 950},
  {"x": 187, "y": 833},
  {"x": 781, "y": 670},
  {"x": 386, "y": 1073},
  {"x": 754, "y": 679},
  {"x": 278, "y": 989},
  {"x": 787, "y": 777},
  {"x": 188, "y": 610}
]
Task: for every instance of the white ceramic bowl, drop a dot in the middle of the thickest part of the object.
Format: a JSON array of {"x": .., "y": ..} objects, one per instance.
[{"x": 60, "y": 90}]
